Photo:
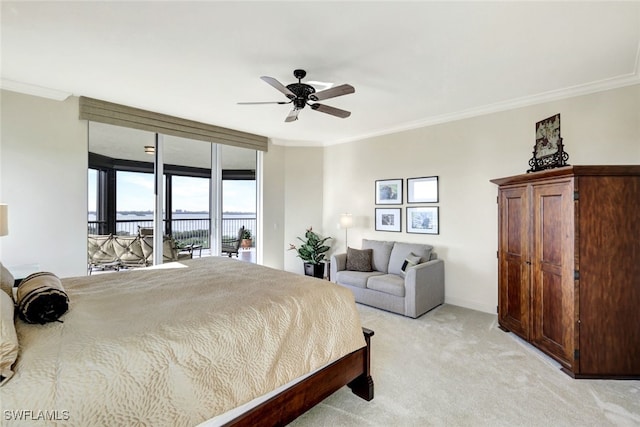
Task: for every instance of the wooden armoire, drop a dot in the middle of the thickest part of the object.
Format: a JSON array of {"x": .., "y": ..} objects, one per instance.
[{"x": 569, "y": 266}]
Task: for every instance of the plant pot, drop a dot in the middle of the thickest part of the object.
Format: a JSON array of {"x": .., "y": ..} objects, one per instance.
[
  {"x": 314, "y": 270},
  {"x": 246, "y": 243}
]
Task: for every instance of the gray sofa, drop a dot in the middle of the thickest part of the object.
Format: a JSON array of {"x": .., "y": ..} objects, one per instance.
[{"x": 412, "y": 292}]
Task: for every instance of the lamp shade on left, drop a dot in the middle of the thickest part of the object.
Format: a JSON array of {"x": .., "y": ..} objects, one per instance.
[{"x": 4, "y": 220}]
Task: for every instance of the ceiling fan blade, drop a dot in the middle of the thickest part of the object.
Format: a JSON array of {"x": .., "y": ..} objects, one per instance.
[
  {"x": 293, "y": 115},
  {"x": 332, "y": 92},
  {"x": 276, "y": 84},
  {"x": 267, "y": 102},
  {"x": 343, "y": 114}
]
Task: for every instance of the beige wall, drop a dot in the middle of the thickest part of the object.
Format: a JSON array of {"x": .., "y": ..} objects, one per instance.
[
  {"x": 43, "y": 174},
  {"x": 43, "y": 170},
  {"x": 303, "y": 190},
  {"x": 601, "y": 128},
  {"x": 273, "y": 206}
]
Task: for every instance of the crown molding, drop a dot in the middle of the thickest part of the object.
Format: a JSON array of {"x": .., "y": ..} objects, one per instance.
[
  {"x": 579, "y": 90},
  {"x": 29, "y": 89}
]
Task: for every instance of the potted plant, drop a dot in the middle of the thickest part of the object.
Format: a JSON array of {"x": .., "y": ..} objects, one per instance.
[
  {"x": 246, "y": 239},
  {"x": 312, "y": 252}
]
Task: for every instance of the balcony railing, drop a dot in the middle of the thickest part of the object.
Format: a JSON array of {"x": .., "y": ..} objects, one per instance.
[{"x": 185, "y": 231}]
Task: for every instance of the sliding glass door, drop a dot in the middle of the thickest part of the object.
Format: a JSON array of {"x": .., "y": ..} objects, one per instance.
[
  {"x": 197, "y": 192},
  {"x": 189, "y": 178},
  {"x": 239, "y": 202}
]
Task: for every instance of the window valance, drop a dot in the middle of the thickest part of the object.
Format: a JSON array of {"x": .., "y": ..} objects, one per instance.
[{"x": 122, "y": 115}]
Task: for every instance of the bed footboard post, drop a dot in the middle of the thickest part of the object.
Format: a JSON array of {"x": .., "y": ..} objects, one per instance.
[{"x": 363, "y": 385}]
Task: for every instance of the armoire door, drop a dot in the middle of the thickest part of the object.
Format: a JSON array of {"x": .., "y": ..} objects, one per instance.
[
  {"x": 513, "y": 295},
  {"x": 552, "y": 278}
]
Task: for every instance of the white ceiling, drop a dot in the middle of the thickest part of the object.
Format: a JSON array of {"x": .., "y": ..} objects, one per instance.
[{"x": 411, "y": 63}]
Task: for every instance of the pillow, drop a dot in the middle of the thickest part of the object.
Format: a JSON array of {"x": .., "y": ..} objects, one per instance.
[
  {"x": 359, "y": 259},
  {"x": 8, "y": 338},
  {"x": 401, "y": 250},
  {"x": 411, "y": 260},
  {"x": 41, "y": 298},
  {"x": 6, "y": 280}
]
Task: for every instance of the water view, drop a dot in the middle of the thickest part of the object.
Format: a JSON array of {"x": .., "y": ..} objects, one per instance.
[{"x": 186, "y": 227}]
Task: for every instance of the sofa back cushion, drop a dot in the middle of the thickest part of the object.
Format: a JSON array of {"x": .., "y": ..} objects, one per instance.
[
  {"x": 401, "y": 251},
  {"x": 381, "y": 253}
]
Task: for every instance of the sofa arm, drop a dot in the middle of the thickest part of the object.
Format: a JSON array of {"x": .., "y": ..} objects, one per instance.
[
  {"x": 424, "y": 287},
  {"x": 338, "y": 263}
]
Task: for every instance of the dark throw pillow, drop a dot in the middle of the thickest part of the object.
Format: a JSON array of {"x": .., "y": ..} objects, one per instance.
[
  {"x": 41, "y": 298},
  {"x": 359, "y": 259}
]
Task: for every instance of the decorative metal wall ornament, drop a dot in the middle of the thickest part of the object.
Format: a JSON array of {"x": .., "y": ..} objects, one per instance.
[{"x": 548, "y": 151}]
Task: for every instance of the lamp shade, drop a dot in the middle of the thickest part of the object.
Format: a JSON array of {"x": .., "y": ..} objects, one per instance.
[
  {"x": 346, "y": 220},
  {"x": 4, "y": 220}
]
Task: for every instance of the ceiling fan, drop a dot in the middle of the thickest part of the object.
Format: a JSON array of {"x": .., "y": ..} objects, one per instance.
[{"x": 299, "y": 94}]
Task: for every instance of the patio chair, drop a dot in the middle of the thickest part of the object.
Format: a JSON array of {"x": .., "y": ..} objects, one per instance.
[
  {"x": 170, "y": 250},
  {"x": 101, "y": 254},
  {"x": 232, "y": 246}
]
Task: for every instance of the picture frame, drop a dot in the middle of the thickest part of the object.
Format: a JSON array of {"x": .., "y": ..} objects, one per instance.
[
  {"x": 422, "y": 190},
  {"x": 548, "y": 151},
  {"x": 389, "y": 219},
  {"x": 389, "y": 192},
  {"x": 423, "y": 220}
]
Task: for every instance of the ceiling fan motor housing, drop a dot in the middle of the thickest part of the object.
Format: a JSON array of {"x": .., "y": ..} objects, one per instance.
[{"x": 302, "y": 92}]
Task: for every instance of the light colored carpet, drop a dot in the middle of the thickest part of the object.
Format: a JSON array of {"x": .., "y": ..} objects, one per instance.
[{"x": 454, "y": 367}]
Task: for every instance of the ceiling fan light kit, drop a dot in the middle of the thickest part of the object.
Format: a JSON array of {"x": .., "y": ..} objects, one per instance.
[{"x": 299, "y": 94}]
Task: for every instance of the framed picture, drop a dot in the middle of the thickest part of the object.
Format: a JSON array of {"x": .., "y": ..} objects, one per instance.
[
  {"x": 548, "y": 151},
  {"x": 422, "y": 190},
  {"x": 423, "y": 220},
  {"x": 388, "y": 219},
  {"x": 389, "y": 192}
]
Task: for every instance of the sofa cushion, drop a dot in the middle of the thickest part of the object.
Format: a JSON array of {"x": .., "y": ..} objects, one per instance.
[
  {"x": 387, "y": 283},
  {"x": 359, "y": 259},
  {"x": 402, "y": 250},
  {"x": 381, "y": 253},
  {"x": 355, "y": 278}
]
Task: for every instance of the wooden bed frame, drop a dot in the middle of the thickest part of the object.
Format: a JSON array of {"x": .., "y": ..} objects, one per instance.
[{"x": 353, "y": 370}]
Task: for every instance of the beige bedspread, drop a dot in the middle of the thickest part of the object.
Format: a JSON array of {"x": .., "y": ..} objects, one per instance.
[{"x": 176, "y": 346}]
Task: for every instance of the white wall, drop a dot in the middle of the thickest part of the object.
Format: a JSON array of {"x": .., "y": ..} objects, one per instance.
[
  {"x": 303, "y": 192},
  {"x": 43, "y": 178},
  {"x": 273, "y": 205},
  {"x": 602, "y": 128}
]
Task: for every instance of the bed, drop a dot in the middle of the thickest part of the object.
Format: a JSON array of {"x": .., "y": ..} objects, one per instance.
[{"x": 206, "y": 341}]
